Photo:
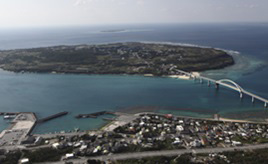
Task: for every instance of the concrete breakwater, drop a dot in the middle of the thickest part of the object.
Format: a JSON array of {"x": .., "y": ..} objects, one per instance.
[
  {"x": 94, "y": 115},
  {"x": 52, "y": 117}
]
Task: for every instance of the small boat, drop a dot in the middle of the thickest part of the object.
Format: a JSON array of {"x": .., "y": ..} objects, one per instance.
[{"x": 9, "y": 116}]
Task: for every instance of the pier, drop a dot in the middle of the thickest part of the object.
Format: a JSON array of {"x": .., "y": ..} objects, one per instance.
[
  {"x": 228, "y": 84},
  {"x": 52, "y": 117},
  {"x": 21, "y": 127}
]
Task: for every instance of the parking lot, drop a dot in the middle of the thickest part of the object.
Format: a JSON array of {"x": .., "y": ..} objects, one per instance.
[{"x": 18, "y": 130}]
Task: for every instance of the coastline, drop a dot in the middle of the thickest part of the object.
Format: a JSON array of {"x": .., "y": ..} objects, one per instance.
[
  {"x": 130, "y": 117},
  {"x": 125, "y": 118}
]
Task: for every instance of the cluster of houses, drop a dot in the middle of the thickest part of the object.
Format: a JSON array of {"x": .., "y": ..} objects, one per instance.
[
  {"x": 96, "y": 143},
  {"x": 189, "y": 132},
  {"x": 143, "y": 56},
  {"x": 151, "y": 131},
  {"x": 158, "y": 132}
]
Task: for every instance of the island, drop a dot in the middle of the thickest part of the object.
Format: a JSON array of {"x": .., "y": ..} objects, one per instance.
[
  {"x": 114, "y": 31},
  {"x": 115, "y": 58}
]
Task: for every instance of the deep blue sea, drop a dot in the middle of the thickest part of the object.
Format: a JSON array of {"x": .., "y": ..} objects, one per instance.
[{"x": 47, "y": 94}]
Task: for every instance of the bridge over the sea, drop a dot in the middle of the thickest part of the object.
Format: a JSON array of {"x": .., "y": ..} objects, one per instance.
[{"x": 226, "y": 83}]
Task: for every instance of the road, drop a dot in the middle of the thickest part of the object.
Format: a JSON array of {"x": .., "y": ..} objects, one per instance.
[
  {"x": 138, "y": 155},
  {"x": 45, "y": 136}
]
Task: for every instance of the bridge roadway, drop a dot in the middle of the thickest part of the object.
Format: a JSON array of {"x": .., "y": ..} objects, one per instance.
[{"x": 236, "y": 87}]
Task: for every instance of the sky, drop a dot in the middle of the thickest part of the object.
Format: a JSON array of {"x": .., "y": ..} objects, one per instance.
[{"x": 28, "y": 13}]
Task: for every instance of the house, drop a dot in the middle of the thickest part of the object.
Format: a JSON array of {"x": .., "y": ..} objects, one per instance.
[
  {"x": 204, "y": 141},
  {"x": 77, "y": 144},
  {"x": 196, "y": 143},
  {"x": 177, "y": 141},
  {"x": 69, "y": 156},
  {"x": 168, "y": 116},
  {"x": 24, "y": 161},
  {"x": 179, "y": 128},
  {"x": 55, "y": 145},
  {"x": 83, "y": 147},
  {"x": 236, "y": 143}
]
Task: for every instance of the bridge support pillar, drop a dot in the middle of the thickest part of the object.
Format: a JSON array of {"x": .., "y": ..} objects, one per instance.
[
  {"x": 201, "y": 81},
  {"x": 216, "y": 85},
  {"x": 265, "y": 105},
  {"x": 252, "y": 100},
  {"x": 241, "y": 95},
  {"x": 209, "y": 83}
]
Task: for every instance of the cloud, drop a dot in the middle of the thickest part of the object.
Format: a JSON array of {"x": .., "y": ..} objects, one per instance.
[
  {"x": 140, "y": 2},
  {"x": 164, "y": 9},
  {"x": 253, "y": 6},
  {"x": 119, "y": 2},
  {"x": 83, "y": 2}
]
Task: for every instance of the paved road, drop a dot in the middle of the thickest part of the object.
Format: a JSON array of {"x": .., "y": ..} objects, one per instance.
[
  {"x": 121, "y": 120},
  {"x": 137, "y": 155},
  {"x": 176, "y": 152},
  {"x": 45, "y": 136}
]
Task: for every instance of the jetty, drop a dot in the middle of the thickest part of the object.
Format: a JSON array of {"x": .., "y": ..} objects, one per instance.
[
  {"x": 52, "y": 117},
  {"x": 94, "y": 115}
]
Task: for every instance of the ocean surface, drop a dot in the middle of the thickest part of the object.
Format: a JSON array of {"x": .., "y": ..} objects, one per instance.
[{"x": 46, "y": 94}]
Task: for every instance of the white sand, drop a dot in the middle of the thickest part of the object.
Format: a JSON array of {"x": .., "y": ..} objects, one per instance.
[
  {"x": 148, "y": 75},
  {"x": 185, "y": 77},
  {"x": 196, "y": 74}
]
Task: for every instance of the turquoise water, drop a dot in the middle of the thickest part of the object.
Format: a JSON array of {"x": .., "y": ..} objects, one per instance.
[
  {"x": 46, "y": 94},
  {"x": 3, "y": 123}
]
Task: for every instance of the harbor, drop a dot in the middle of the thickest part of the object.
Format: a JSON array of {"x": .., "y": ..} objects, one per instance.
[
  {"x": 20, "y": 128},
  {"x": 19, "y": 132}
]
